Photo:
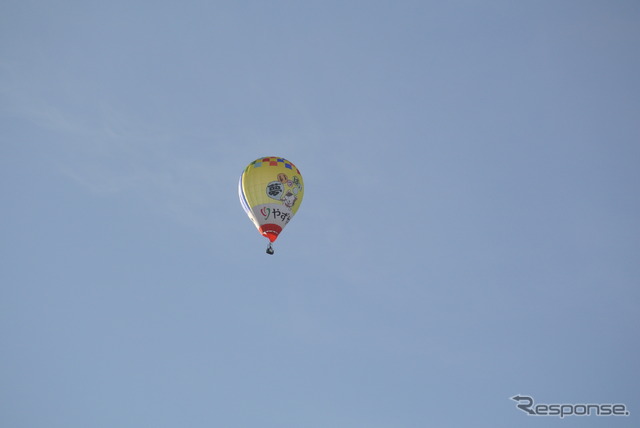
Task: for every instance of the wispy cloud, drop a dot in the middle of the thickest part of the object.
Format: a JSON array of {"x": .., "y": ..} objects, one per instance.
[{"x": 105, "y": 149}]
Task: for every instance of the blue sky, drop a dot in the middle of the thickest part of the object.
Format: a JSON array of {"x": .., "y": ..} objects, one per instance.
[{"x": 469, "y": 230}]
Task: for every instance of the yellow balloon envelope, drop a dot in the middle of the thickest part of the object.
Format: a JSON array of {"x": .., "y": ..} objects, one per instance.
[{"x": 271, "y": 191}]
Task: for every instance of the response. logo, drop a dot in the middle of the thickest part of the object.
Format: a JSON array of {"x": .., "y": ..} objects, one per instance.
[{"x": 561, "y": 410}]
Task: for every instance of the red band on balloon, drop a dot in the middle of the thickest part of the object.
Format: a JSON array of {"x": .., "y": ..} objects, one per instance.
[{"x": 271, "y": 231}]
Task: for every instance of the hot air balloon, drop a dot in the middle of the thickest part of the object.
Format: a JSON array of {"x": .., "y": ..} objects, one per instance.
[{"x": 271, "y": 190}]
